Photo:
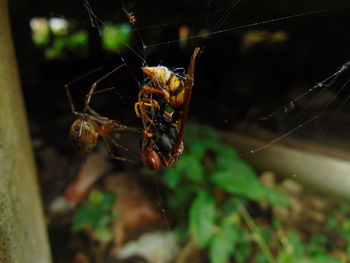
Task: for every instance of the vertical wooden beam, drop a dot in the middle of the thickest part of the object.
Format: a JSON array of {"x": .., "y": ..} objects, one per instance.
[{"x": 23, "y": 236}]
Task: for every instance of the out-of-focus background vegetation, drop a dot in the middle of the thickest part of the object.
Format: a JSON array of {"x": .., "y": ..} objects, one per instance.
[{"x": 212, "y": 206}]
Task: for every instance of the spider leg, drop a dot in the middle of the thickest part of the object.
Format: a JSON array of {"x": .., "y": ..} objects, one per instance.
[
  {"x": 99, "y": 118},
  {"x": 117, "y": 145},
  {"x": 111, "y": 154},
  {"x": 103, "y": 90},
  {"x": 104, "y": 121},
  {"x": 119, "y": 127},
  {"x": 94, "y": 86},
  {"x": 67, "y": 87},
  {"x": 82, "y": 116}
]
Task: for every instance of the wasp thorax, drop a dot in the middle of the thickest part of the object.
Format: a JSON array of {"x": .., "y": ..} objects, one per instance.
[
  {"x": 84, "y": 135},
  {"x": 159, "y": 75}
]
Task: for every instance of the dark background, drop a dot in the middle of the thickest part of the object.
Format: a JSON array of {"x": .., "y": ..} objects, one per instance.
[{"x": 234, "y": 86}]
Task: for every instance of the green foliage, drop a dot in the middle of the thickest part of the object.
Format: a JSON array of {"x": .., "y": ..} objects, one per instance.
[
  {"x": 296, "y": 251},
  {"x": 115, "y": 36},
  {"x": 95, "y": 214},
  {"x": 66, "y": 40},
  {"x": 224, "y": 241},
  {"x": 215, "y": 189},
  {"x": 57, "y": 38},
  {"x": 225, "y": 170},
  {"x": 340, "y": 224},
  {"x": 206, "y": 169},
  {"x": 40, "y": 31},
  {"x": 202, "y": 218}
]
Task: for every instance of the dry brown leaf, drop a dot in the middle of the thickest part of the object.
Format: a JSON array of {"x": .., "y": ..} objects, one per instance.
[
  {"x": 80, "y": 257},
  {"x": 95, "y": 166},
  {"x": 135, "y": 210}
]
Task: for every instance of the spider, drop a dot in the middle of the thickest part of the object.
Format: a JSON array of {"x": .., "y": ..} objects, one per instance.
[
  {"x": 163, "y": 106},
  {"x": 90, "y": 126}
]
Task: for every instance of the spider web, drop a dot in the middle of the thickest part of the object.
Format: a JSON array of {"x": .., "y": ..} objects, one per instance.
[
  {"x": 311, "y": 103},
  {"x": 224, "y": 18},
  {"x": 324, "y": 88}
]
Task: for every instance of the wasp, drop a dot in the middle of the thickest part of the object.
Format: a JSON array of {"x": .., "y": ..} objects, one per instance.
[
  {"x": 163, "y": 105},
  {"x": 90, "y": 127}
]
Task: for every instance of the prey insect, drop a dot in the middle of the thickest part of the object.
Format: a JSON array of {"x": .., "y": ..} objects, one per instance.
[
  {"x": 127, "y": 7},
  {"x": 90, "y": 126},
  {"x": 131, "y": 17},
  {"x": 163, "y": 105}
]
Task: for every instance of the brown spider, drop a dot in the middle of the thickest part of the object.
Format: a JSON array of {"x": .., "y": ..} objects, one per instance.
[{"x": 90, "y": 126}]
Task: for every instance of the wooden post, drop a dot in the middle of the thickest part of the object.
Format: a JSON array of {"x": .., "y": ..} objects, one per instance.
[{"x": 23, "y": 236}]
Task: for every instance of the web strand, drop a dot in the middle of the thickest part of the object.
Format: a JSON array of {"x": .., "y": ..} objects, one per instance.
[
  {"x": 216, "y": 30},
  {"x": 246, "y": 26}
]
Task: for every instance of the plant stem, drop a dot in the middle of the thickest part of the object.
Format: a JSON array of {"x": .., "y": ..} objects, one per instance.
[
  {"x": 186, "y": 251},
  {"x": 255, "y": 230}
]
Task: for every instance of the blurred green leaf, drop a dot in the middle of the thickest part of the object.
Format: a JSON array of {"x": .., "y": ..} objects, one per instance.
[
  {"x": 346, "y": 224},
  {"x": 115, "y": 36},
  {"x": 230, "y": 206},
  {"x": 95, "y": 197},
  {"x": 193, "y": 168},
  {"x": 108, "y": 200},
  {"x": 240, "y": 180},
  {"x": 78, "y": 39},
  {"x": 225, "y": 154},
  {"x": 243, "y": 247},
  {"x": 40, "y": 31},
  {"x": 344, "y": 206},
  {"x": 56, "y": 49},
  {"x": 295, "y": 242},
  {"x": 197, "y": 149},
  {"x": 266, "y": 232},
  {"x": 172, "y": 177},
  {"x": 207, "y": 167},
  {"x": 104, "y": 234},
  {"x": 102, "y": 220},
  {"x": 182, "y": 195},
  {"x": 347, "y": 249},
  {"x": 316, "y": 245},
  {"x": 197, "y": 132},
  {"x": 285, "y": 256},
  {"x": 223, "y": 242},
  {"x": 202, "y": 217},
  {"x": 275, "y": 197},
  {"x": 86, "y": 215},
  {"x": 182, "y": 231},
  {"x": 96, "y": 211},
  {"x": 323, "y": 258}
]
